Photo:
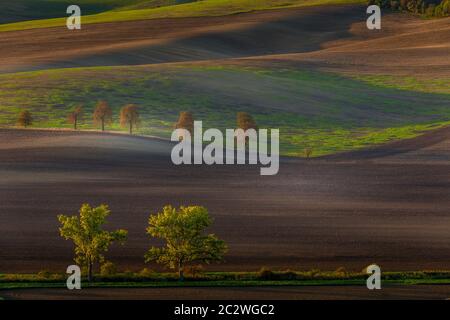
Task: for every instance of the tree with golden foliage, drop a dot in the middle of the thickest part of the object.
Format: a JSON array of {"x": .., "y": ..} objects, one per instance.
[
  {"x": 245, "y": 121},
  {"x": 186, "y": 121},
  {"x": 102, "y": 114},
  {"x": 129, "y": 117},
  {"x": 75, "y": 116},
  {"x": 25, "y": 119}
]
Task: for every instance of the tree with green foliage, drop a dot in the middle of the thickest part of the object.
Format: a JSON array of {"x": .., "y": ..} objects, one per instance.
[
  {"x": 430, "y": 8},
  {"x": 25, "y": 119},
  {"x": 75, "y": 116},
  {"x": 90, "y": 240},
  {"x": 102, "y": 114},
  {"x": 129, "y": 117},
  {"x": 183, "y": 231}
]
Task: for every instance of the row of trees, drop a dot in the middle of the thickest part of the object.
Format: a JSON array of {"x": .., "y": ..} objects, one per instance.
[
  {"x": 182, "y": 229},
  {"x": 129, "y": 117},
  {"x": 431, "y": 8},
  {"x": 102, "y": 115},
  {"x": 243, "y": 120}
]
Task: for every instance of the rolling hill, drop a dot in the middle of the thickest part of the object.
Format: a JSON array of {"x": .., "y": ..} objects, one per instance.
[
  {"x": 312, "y": 109},
  {"x": 311, "y": 72},
  {"x": 146, "y": 11},
  {"x": 22, "y": 10}
]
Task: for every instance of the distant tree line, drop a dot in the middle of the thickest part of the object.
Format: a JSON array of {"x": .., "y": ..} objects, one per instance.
[
  {"x": 429, "y": 8},
  {"x": 102, "y": 116},
  {"x": 130, "y": 118}
]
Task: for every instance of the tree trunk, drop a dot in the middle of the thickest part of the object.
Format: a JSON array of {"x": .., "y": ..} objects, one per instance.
[
  {"x": 131, "y": 127},
  {"x": 103, "y": 125},
  {"x": 89, "y": 271},
  {"x": 75, "y": 124},
  {"x": 180, "y": 271}
]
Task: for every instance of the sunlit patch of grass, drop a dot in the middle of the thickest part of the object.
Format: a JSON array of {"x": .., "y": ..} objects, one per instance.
[{"x": 434, "y": 85}]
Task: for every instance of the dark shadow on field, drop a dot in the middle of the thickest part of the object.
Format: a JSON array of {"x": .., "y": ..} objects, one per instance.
[
  {"x": 272, "y": 32},
  {"x": 23, "y": 10}
]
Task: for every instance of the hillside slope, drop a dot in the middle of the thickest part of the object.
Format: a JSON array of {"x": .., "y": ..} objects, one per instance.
[
  {"x": 313, "y": 214},
  {"x": 395, "y": 82},
  {"x": 204, "y": 8},
  {"x": 22, "y": 10},
  {"x": 330, "y": 37}
]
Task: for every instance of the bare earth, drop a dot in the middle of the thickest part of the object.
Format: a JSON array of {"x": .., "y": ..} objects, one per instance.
[
  {"x": 434, "y": 292},
  {"x": 327, "y": 37},
  {"x": 352, "y": 210}
]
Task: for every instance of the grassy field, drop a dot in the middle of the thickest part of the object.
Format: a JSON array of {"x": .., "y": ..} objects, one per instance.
[
  {"x": 327, "y": 112},
  {"x": 435, "y": 85},
  {"x": 194, "y": 9}
]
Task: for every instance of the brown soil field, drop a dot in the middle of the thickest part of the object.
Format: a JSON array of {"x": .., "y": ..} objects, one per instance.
[
  {"x": 352, "y": 210},
  {"x": 332, "y": 38},
  {"x": 433, "y": 292}
]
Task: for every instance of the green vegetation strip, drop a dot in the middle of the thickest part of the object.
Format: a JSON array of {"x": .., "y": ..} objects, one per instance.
[
  {"x": 194, "y": 9},
  {"x": 227, "y": 279},
  {"x": 434, "y": 85}
]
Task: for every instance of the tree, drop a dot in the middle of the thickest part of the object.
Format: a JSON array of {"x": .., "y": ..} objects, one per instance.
[
  {"x": 431, "y": 8},
  {"x": 182, "y": 229},
  {"x": 75, "y": 116},
  {"x": 90, "y": 240},
  {"x": 102, "y": 114},
  {"x": 245, "y": 121},
  {"x": 25, "y": 119},
  {"x": 308, "y": 152},
  {"x": 129, "y": 116},
  {"x": 185, "y": 121}
]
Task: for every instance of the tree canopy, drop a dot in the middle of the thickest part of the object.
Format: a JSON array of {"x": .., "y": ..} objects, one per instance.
[
  {"x": 102, "y": 114},
  {"x": 129, "y": 116},
  {"x": 245, "y": 121},
  {"x": 75, "y": 116},
  {"x": 86, "y": 231},
  {"x": 25, "y": 119},
  {"x": 183, "y": 231}
]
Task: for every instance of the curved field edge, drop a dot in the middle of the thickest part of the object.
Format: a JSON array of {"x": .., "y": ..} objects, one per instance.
[
  {"x": 194, "y": 9},
  {"x": 323, "y": 111}
]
